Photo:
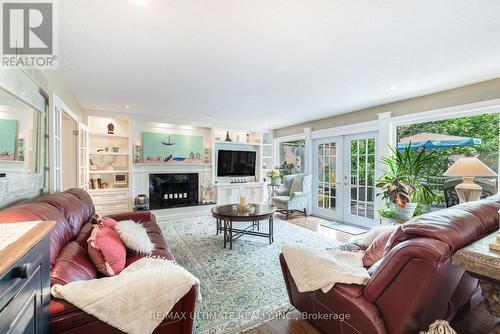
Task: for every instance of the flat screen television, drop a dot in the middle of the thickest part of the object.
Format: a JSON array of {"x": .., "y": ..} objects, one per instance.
[{"x": 236, "y": 163}]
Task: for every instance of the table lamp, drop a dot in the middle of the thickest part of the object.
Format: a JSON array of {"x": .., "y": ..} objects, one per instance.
[{"x": 469, "y": 168}]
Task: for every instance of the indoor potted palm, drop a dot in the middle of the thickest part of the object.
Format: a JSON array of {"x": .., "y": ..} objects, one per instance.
[{"x": 404, "y": 183}]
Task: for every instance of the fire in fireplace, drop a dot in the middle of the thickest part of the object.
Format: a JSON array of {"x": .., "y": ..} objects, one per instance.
[{"x": 173, "y": 190}]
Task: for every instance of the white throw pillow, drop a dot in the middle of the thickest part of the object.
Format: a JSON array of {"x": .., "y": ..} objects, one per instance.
[
  {"x": 134, "y": 236},
  {"x": 374, "y": 232}
]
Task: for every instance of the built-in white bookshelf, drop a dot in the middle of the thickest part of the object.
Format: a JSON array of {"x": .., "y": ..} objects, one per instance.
[
  {"x": 259, "y": 141},
  {"x": 109, "y": 162}
]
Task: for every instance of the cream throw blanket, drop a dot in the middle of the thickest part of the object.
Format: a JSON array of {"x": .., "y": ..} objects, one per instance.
[
  {"x": 135, "y": 301},
  {"x": 314, "y": 269}
]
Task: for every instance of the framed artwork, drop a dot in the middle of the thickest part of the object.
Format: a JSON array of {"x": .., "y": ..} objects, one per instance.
[
  {"x": 8, "y": 137},
  {"x": 172, "y": 148}
]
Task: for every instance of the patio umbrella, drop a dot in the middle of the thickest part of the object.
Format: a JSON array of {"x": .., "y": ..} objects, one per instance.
[{"x": 435, "y": 140}]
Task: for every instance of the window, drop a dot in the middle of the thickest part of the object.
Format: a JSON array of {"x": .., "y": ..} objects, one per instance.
[
  {"x": 292, "y": 153},
  {"x": 453, "y": 138}
]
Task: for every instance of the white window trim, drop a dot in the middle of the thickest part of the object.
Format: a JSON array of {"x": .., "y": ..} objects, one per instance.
[{"x": 276, "y": 145}]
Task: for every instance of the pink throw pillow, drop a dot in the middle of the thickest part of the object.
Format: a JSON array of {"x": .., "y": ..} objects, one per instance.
[
  {"x": 108, "y": 222},
  {"x": 375, "y": 250},
  {"x": 106, "y": 250}
]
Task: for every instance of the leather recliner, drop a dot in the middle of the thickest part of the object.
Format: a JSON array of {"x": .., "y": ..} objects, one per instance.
[
  {"x": 413, "y": 285},
  {"x": 69, "y": 260}
]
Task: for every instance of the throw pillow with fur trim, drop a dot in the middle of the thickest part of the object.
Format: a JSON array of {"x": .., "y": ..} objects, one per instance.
[{"x": 134, "y": 236}]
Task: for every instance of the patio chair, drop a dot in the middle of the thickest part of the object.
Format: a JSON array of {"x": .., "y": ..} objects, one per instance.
[
  {"x": 294, "y": 196},
  {"x": 489, "y": 186}
]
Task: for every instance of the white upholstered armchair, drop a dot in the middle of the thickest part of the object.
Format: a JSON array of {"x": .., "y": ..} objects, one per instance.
[{"x": 294, "y": 196}]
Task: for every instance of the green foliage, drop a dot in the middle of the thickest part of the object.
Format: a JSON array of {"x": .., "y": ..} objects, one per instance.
[
  {"x": 286, "y": 168},
  {"x": 387, "y": 213},
  {"x": 406, "y": 178},
  {"x": 484, "y": 127},
  {"x": 274, "y": 174}
]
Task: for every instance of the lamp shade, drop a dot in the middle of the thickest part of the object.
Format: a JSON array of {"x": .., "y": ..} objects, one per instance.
[{"x": 469, "y": 167}]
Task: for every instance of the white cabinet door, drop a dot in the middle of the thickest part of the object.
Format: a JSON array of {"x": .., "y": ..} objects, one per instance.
[
  {"x": 222, "y": 195},
  {"x": 249, "y": 193},
  {"x": 234, "y": 196},
  {"x": 254, "y": 194},
  {"x": 228, "y": 195},
  {"x": 259, "y": 195}
]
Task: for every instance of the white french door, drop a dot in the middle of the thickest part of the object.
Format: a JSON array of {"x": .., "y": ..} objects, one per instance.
[
  {"x": 344, "y": 178},
  {"x": 327, "y": 189},
  {"x": 359, "y": 179}
]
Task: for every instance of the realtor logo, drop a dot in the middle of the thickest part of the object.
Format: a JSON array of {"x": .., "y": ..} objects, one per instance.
[{"x": 28, "y": 34}]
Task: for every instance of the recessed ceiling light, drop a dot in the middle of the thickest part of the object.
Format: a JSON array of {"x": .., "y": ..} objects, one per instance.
[
  {"x": 392, "y": 87},
  {"x": 209, "y": 116},
  {"x": 127, "y": 107}
]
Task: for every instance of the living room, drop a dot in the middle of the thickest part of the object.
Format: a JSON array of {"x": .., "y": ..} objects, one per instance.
[{"x": 249, "y": 167}]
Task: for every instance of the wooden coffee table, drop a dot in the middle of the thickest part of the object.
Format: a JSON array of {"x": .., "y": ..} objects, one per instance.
[{"x": 225, "y": 215}]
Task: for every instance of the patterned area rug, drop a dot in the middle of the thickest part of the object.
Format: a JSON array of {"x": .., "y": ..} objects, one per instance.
[
  {"x": 346, "y": 228},
  {"x": 243, "y": 287}
]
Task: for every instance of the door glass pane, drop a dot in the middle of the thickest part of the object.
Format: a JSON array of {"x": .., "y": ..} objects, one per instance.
[
  {"x": 327, "y": 163},
  {"x": 362, "y": 146},
  {"x": 354, "y": 208},
  {"x": 371, "y": 146}
]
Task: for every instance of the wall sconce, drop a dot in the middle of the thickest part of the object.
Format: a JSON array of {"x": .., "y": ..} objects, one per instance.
[
  {"x": 20, "y": 147},
  {"x": 137, "y": 153}
]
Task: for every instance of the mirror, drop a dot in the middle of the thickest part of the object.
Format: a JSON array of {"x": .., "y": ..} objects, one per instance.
[
  {"x": 19, "y": 136},
  {"x": 23, "y": 149}
]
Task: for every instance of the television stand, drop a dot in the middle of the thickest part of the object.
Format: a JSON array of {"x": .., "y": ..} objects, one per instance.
[{"x": 229, "y": 193}]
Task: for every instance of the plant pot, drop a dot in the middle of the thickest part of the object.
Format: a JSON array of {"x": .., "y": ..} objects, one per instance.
[
  {"x": 275, "y": 182},
  {"x": 407, "y": 212}
]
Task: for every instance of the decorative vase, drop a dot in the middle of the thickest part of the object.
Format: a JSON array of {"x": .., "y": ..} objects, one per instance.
[
  {"x": 275, "y": 182},
  {"x": 407, "y": 212}
]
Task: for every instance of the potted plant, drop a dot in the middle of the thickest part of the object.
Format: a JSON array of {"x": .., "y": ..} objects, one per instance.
[
  {"x": 388, "y": 215},
  {"x": 286, "y": 168},
  {"x": 404, "y": 183},
  {"x": 274, "y": 175}
]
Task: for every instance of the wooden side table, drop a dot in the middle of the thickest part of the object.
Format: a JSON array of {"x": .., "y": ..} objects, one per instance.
[{"x": 483, "y": 263}]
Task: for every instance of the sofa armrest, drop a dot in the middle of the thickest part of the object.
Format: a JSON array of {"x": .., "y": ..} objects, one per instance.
[
  {"x": 137, "y": 216},
  {"x": 429, "y": 250},
  {"x": 283, "y": 192}
]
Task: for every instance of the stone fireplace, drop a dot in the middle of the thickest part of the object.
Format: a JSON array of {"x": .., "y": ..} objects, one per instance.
[{"x": 173, "y": 190}]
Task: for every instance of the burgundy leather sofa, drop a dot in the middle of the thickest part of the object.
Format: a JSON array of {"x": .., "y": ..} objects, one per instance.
[
  {"x": 414, "y": 284},
  {"x": 69, "y": 260}
]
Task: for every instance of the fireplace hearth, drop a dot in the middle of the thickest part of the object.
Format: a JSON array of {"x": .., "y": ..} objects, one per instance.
[{"x": 173, "y": 190}]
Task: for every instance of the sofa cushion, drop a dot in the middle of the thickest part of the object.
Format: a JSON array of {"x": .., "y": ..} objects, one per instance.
[
  {"x": 281, "y": 199},
  {"x": 108, "y": 222},
  {"x": 85, "y": 198},
  {"x": 375, "y": 251},
  {"x": 84, "y": 235},
  {"x": 73, "y": 264},
  {"x": 106, "y": 250},
  {"x": 458, "y": 226},
  {"x": 76, "y": 211},
  {"x": 59, "y": 236}
]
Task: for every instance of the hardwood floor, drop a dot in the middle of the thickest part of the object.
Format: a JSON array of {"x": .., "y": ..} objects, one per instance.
[{"x": 475, "y": 322}]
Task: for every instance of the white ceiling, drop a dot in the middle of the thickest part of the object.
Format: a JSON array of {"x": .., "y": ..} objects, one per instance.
[{"x": 271, "y": 63}]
